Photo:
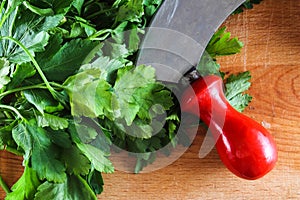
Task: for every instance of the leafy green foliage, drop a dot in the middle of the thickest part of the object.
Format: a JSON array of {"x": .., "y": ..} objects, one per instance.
[
  {"x": 28, "y": 29},
  {"x": 221, "y": 44},
  {"x": 69, "y": 92},
  {"x": 105, "y": 66},
  {"x": 58, "y": 65},
  {"x": 130, "y": 11},
  {"x": 6, "y": 138},
  {"x": 235, "y": 87},
  {"x": 83, "y": 136},
  {"x": 208, "y": 65},
  {"x": 40, "y": 150},
  {"x": 159, "y": 100},
  {"x": 53, "y": 121},
  {"x": 42, "y": 100},
  {"x": 248, "y": 4},
  {"x": 97, "y": 157},
  {"x": 56, "y": 6},
  {"x": 26, "y": 186},
  {"x": 21, "y": 73},
  {"x": 90, "y": 95},
  {"x": 126, "y": 84},
  {"x": 75, "y": 161},
  {"x": 95, "y": 181},
  {"x": 4, "y": 73},
  {"x": 75, "y": 187}
]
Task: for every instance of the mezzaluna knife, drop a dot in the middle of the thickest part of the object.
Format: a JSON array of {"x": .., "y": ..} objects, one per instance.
[
  {"x": 173, "y": 45},
  {"x": 177, "y": 37}
]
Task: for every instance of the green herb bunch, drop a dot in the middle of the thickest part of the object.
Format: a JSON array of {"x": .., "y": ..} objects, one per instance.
[{"x": 69, "y": 91}]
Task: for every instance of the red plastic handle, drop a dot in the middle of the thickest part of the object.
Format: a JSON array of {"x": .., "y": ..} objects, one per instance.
[{"x": 245, "y": 147}]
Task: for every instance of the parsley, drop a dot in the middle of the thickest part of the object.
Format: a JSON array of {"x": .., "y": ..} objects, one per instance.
[
  {"x": 235, "y": 87},
  {"x": 248, "y": 4},
  {"x": 221, "y": 44},
  {"x": 4, "y": 73},
  {"x": 26, "y": 186},
  {"x": 69, "y": 92}
]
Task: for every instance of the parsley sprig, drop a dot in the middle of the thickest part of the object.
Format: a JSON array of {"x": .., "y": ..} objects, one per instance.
[{"x": 69, "y": 92}]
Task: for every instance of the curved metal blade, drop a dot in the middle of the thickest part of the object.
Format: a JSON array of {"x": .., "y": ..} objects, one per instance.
[{"x": 179, "y": 34}]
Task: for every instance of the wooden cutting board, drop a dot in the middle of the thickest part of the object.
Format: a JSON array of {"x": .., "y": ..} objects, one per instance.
[{"x": 271, "y": 34}]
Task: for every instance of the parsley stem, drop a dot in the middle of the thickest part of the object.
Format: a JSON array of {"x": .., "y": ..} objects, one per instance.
[
  {"x": 4, "y": 186},
  {"x": 58, "y": 85},
  {"x": 103, "y": 33},
  {"x": 36, "y": 65},
  {"x": 10, "y": 8},
  {"x": 4, "y": 17},
  {"x": 2, "y": 5},
  {"x": 39, "y": 86},
  {"x": 12, "y": 109},
  {"x": 13, "y": 150},
  {"x": 96, "y": 14},
  {"x": 30, "y": 87}
]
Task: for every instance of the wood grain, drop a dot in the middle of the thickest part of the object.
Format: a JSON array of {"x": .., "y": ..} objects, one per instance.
[{"x": 271, "y": 34}]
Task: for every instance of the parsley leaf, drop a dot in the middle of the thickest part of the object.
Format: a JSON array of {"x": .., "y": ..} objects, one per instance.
[
  {"x": 57, "y": 6},
  {"x": 208, "y": 65},
  {"x": 26, "y": 30},
  {"x": 38, "y": 148},
  {"x": 106, "y": 65},
  {"x": 152, "y": 98},
  {"x": 86, "y": 133},
  {"x": 26, "y": 186},
  {"x": 128, "y": 80},
  {"x": 42, "y": 100},
  {"x": 5, "y": 69},
  {"x": 130, "y": 11},
  {"x": 5, "y": 133},
  {"x": 97, "y": 156},
  {"x": 95, "y": 181},
  {"x": 235, "y": 87},
  {"x": 90, "y": 96},
  {"x": 101, "y": 99},
  {"x": 248, "y": 4},
  {"x": 75, "y": 187},
  {"x": 59, "y": 65},
  {"x": 21, "y": 73},
  {"x": 221, "y": 44},
  {"x": 76, "y": 163},
  {"x": 53, "y": 121}
]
